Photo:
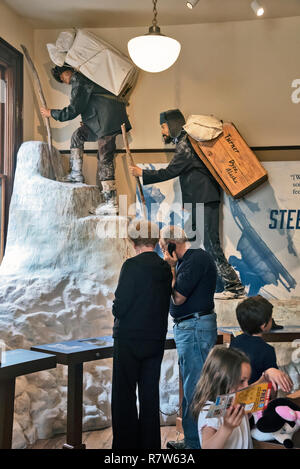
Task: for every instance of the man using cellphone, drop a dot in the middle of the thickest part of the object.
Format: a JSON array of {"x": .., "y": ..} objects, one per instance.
[{"x": 192, "y": 309}]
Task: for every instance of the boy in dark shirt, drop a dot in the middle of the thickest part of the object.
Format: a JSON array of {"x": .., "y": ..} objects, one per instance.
[{"x": 254, "y": 315}]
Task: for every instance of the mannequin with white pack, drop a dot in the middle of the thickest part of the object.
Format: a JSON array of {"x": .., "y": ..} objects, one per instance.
[
  {"x": 198, "y": 186},
  {"x": 102, "y": 115}
]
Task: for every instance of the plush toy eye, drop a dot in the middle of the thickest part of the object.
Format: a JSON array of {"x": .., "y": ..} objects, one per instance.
[{"x": 287, "y": 427}]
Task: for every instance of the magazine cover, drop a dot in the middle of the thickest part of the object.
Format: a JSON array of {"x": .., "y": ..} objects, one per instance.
[{"x": 253, "y": 398}]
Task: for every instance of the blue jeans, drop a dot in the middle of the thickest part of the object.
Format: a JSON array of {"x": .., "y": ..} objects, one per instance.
[{"x": 194, "y": 338}]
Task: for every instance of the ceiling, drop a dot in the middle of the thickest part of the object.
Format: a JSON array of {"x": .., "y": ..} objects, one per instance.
[{"x": 121, "y": 13}]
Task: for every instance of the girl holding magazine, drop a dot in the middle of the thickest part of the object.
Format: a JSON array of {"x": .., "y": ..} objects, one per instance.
[{"x": 225, "y": 370}]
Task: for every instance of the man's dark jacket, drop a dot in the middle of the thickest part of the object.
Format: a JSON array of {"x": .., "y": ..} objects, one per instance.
[
  {"x": 142, "y": 298},
  {"x": 197, "y": 183},
  {"x": 101, "y": 111}
]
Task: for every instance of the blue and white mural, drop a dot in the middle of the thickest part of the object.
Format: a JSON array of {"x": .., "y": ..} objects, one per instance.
[
  {"x": 261, "y": 232},
  {"x": 163, "y": 200}
]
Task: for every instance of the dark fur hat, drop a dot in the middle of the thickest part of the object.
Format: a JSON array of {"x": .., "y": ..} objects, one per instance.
[
  {"x": 175, "y": 120},
  {"x": 57, "y": 71}
]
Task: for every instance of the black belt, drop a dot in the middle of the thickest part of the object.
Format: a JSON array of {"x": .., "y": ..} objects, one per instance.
[{"x": 194, "y": 315}]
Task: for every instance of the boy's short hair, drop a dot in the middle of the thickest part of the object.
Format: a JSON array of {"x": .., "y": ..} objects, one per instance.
[
  {"x": 57, "y": 71},
  {"x": 252, "y": 313},
  {"x": 143, "y": 233}
]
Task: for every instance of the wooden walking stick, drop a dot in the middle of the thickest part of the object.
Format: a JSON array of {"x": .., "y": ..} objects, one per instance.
[
  {"x": 43, "y": 101},
  {"x": 143, "y": 203}
]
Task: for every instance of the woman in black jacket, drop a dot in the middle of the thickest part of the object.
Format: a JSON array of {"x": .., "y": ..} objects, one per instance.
[{"x": 140, "y": 309}]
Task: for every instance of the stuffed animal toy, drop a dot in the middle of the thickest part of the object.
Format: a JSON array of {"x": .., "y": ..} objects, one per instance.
[{"x": 279, "y": 421}]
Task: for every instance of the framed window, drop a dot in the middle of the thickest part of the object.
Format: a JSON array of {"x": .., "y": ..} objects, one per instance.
[
  {"x": 2, "y": 115},
  {"x": 11, "y": 125},
  {"x": 2, "y": 214}
]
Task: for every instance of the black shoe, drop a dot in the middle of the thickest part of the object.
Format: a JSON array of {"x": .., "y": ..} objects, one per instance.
[
  {"x": 177, "y": 445},
  {"x": 275, "y": 327}
]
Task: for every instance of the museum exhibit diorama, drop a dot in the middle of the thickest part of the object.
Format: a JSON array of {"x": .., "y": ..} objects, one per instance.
[{"x": 107, "y": 127}]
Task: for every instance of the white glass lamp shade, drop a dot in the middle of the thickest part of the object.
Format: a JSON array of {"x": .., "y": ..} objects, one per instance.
[
  {"x": 153, "y": 52},
  {"x": 257, "y": 8},
  {"x": 191, "y": 4}
]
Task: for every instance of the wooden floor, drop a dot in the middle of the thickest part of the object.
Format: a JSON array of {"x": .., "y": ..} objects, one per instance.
[{"x": 101, "y": 439}]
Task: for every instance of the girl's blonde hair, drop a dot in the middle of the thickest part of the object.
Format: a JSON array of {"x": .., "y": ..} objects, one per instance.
[{"x": 220, "y": 374}]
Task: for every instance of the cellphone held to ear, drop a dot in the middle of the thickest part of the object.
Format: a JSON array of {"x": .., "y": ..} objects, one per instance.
[{"x": 171, "y": 248}]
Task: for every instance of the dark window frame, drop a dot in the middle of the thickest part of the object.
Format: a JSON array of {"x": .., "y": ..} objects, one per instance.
[{"x": 12, "y": 61}]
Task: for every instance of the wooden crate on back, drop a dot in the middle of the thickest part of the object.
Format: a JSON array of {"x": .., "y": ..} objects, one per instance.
[{"x": 232, "y": 163}]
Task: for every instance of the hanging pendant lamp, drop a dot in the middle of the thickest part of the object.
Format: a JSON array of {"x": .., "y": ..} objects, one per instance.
[
  {"x": 257, "y": 8},
  {"x": 154, "y": 52}
]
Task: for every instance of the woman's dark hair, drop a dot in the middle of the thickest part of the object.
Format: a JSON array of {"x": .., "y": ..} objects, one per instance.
[
  {"x": 252, "y": 313},
  {"x": 57, "y": 71}
]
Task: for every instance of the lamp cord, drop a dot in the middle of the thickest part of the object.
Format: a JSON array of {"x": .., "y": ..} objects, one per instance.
[{"x": 154, "y": 21}]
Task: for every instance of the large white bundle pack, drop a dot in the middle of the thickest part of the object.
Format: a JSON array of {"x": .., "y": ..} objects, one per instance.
[
  {"x": 65, "y": 40},
  {"x": 58, "y": 51},
  {"x": 101, "y": 63},
  {"x": 203, "y": 127},
  {"x": 56, "y": 56}
]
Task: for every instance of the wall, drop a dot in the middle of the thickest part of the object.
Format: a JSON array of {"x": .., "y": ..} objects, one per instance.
[
  {"x": 238, "y": 71},
  {"x": 15, "y": 31},
  {"x": 243, "y": 73}
]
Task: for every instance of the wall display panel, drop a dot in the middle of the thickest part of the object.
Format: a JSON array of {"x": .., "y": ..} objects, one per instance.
[{"x": 260, "y": 232}]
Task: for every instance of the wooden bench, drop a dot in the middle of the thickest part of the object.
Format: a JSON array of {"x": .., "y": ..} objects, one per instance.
[
  {"x": 287, "y": 334},
  {"x": 17, "y": 363}
]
